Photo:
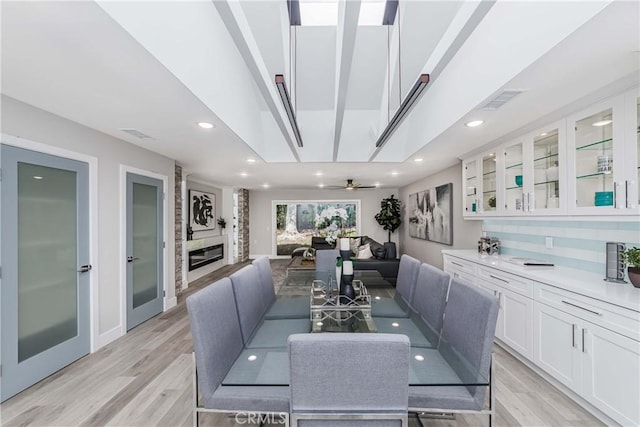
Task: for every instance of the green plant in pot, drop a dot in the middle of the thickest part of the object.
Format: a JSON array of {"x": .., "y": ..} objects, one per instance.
[
  {"x": 390, "y": 219},
  {"x": 632, "y": 258}
]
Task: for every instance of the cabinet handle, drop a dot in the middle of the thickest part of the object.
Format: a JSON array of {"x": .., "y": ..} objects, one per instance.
[
  {"x": 615, "y": 195},
  {"x": 530, "y": 204},
  {"x": 626, "y": 194},
  {"x": 581, "y": 308},
  {"x": 573, "y": 335},
  {"x": 455, "y": 275},
  {"x": 498, "y": 278},
  {"x": 583, "y": 348},
  {"x": 455, "y": 263}
]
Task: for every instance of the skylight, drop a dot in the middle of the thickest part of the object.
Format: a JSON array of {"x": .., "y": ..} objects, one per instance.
[
  {"x": 318, "y": 13},
  {"x": 325, "y": 12}
]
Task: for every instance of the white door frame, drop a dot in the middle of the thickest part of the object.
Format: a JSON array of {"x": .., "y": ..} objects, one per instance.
[
  {"x": 94, "y": 307},
  {"x": 166, "y": 302}
]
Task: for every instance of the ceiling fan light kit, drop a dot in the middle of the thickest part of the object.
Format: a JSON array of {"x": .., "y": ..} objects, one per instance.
[
  {"x": 405, "y": 108},
  {"x": 286, "y": 101}
]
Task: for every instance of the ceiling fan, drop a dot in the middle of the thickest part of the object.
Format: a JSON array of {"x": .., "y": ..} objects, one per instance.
[{"x": 351, "y": 186}]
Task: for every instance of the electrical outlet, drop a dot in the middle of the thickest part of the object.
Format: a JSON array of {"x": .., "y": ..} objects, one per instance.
[{"x": 548, "y": 242}]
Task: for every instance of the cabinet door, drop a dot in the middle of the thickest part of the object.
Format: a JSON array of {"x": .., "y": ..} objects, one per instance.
[
  {"x": 470, "y": 180},
  {"x": 632, "y": 152},
  {"x": 488, "y": 202},
  {"x": 548, "y": 193},
  {"x": 495, "y": 290},
  {"x": 597, "y": 166},
  {"x": 611, "y": 373},
  {"x": 517, "y": 315},
  {"x": 556, "y": 345},
  {"x": 515, "y": 179}
]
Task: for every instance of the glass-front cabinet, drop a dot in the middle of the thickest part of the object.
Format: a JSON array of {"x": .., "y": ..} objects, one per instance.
[
  {"x": 480, "y": 175},
  {"x": 632, "y": 152},
  {"x": 603, "y": 166},
  {"x": 489, "y": 183},
  {"x": 547, "y": 195},
  {"x": 514, "y": 178},
  {"x": 470, "y": 182}
]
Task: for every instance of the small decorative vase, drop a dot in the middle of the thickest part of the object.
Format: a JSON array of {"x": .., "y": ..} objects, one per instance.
[
  {"x": 347, "y": 289},
  {"x": 634, "y": 276}
]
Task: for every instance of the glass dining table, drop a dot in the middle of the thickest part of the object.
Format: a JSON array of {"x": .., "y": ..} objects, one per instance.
[{"x": 433, "y": 361}]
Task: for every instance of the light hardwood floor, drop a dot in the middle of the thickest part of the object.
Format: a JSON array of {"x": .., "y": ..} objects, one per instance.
[{"x": 144, "y": 379}]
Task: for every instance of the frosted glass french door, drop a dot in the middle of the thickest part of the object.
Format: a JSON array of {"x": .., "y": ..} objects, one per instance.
[
  {"x": 45, "y": 266},
  {"x": 144, "y": 248}
]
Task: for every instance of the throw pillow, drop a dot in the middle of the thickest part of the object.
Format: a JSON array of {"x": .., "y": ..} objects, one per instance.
[
  {"x": 376, "y": 248},
  {"x": 364, "y": 252},
  {"x": 380, "y": 253},
  {"x": 354, "y": 244}
]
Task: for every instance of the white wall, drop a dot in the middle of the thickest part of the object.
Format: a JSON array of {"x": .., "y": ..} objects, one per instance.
[
  {"x": 28, "y": 122},
  {"x": 465, "y": 232},
  {"x": 261, "y": 219}
]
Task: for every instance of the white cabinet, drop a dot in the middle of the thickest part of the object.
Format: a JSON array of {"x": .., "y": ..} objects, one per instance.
[
  {"x": 611, "y": 373},
  {"x": 586, "y": 164},
  {"x": 557, "y": 345},
  {"x": 600, "y": 365},
  {"x": 589, "y": 345},
  {"x": 515, "y": 318},
  {"x": 603, "y": 151}
]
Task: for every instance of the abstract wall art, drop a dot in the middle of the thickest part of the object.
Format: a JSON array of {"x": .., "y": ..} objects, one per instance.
[
  {"x": 202, "y": 210},
  {"x": 431, "y": 214}
]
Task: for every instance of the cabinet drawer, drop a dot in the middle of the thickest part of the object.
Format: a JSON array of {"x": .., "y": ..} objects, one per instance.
[
  {"x": 460, "y": 265},
  {"x": 508, "y": 281},
  {"x": 618, "y": 319}
]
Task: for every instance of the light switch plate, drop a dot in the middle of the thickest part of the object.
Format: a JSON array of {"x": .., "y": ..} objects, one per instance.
[{"x": 548, "y": 242}]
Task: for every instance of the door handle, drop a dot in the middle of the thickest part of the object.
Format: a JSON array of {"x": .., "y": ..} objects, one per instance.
[
  {"x": 132, "y": 258},
  {"x": 85, "y": 268}
]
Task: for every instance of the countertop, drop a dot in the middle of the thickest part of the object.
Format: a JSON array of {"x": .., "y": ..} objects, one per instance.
[{"x": 578, "y": 281}]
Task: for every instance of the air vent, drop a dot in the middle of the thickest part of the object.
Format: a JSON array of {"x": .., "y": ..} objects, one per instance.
[
  {"x": 501, "y": 99},
  {"x": 136, "y": 133}
]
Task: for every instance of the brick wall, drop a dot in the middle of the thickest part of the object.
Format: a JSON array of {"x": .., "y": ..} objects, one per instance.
[
  {"x": 243, "y": 224},
  {"x": 178, "y": 228}
]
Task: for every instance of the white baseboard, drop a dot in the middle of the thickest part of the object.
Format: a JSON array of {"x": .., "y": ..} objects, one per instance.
[
  {"x": 107, "y": 337},
  {"x": 170, "y": 303}
]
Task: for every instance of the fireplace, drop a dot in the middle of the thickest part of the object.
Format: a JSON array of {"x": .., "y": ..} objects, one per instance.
[{"x": 204, "y": 256}]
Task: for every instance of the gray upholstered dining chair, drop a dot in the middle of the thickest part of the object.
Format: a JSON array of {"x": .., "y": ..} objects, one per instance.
[
  {"x": 295, "y": 307},
  {"x": 400, "y": 305},
  {"x": 467, "y": 335},
  {"x": 256, "y": 331},
  {"x": 430, "y": 297},
  {"x": 336, "y": 380},
  {"x": 326, "y": 259},
  {"x": 217, "y": 342}
]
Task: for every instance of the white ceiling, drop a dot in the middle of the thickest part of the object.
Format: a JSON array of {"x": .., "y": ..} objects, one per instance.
[{"x": 161, "y": 67}]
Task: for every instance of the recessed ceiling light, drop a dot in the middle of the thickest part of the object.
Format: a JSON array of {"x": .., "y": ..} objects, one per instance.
[
  {"x": 418, "y": 159},
  {"x": 394, "y": 173},
  {"x": 251, "y": 160},
  {"x": 243, "y": 174},
  {"x": 205, "y": 125},
  {"x": 321, "y": 185},
  {"x": 474, "y": 123},
  {"x": 319, "y": 323},
  {"x": 319, "y": 173},
  {"x": 419, "y": 357},
  {"x": 543, "y": 134},
  {"x": 377, "y": 184},
  {"x": 37, "y": 177},
  {"x": 602, "y": 123},
  {"x": 252, "y": 358},
  {"x": 265, "y": 185},
  {"x": 377, "y": 297},
  {"x": 492, "y": 154},
  {"x": 395, "y": 324}
]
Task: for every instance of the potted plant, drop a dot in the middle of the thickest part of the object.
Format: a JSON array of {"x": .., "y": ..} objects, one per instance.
[
  {"x": 390, "y": 219},
  {"x": 222, "y": 223},
  {"x": 632, "y": 258}
]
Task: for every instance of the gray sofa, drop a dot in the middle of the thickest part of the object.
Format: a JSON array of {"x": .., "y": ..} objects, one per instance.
[{"x": 387, "y": 267}]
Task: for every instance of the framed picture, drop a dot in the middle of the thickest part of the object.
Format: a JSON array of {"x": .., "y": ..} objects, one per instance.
[
  {"x": 202, "y": 210},
  {"x": 431, "y": 214}
]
